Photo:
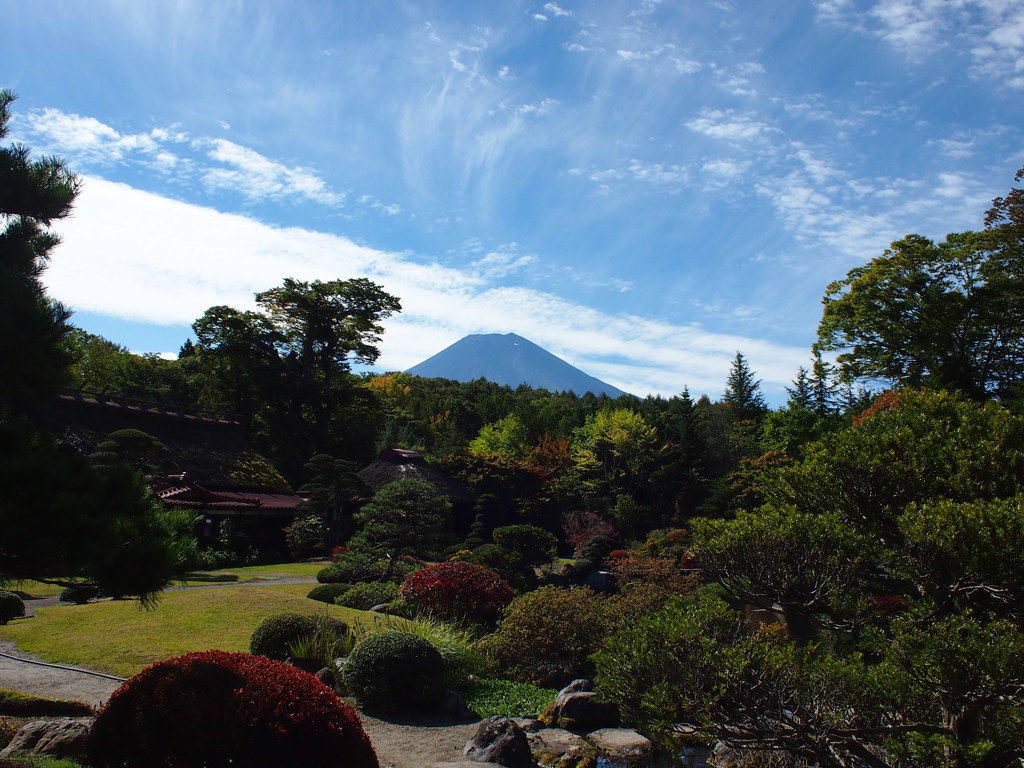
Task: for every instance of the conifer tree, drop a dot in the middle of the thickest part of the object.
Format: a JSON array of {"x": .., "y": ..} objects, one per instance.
[{"x": 33, "y": 194}]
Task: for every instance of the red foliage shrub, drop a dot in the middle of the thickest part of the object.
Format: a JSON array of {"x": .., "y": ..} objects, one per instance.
[
  {"x": 455, "y": 591},
  {"x": 215, "y": 709},
  {"x": 581, "y": 528}
]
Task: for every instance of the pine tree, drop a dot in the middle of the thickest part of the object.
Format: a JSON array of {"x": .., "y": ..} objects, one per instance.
[
  {"x": 743, "y": 392},
  {"x": 34, "y": 346}
]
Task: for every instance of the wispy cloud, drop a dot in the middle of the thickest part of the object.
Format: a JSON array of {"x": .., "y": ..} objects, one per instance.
[
  {"x": 991, "y": 32},
  {"x": 215, "y": 164}
]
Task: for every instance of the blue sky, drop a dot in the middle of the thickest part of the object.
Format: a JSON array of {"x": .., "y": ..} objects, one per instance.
[{"x": 644, "y": 188}]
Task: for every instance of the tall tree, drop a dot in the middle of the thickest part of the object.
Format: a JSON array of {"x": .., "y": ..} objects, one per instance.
[
  {"x": 286, "y": 368},
  {"x": 944, "y": 315},
  {"x": 743, "y": 391},
  {"x": 33, "y": 194},
  {"x": 62, "y": 520}
]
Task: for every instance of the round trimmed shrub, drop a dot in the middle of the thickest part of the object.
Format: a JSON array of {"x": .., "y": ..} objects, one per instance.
[
  {"x": 215, "y": 709},
  {"x": 79, "y": 595},
  {"x": 394, "y": 671},
  {"x": 275, "y": 633},
  {"x": 457, "y": 591},
  {"x": 363, "y": 597},
  {"x": 11, "y": 606},
  {"x": 328, "y": 593}
]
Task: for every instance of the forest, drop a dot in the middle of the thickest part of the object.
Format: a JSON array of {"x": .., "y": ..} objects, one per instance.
[{"x": 876, "y": 520}]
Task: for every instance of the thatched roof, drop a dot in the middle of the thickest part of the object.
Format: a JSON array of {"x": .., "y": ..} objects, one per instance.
[{"x": 400, "y": 464}]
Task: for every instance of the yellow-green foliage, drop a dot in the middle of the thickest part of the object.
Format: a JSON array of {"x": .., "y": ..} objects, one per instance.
[
  {"x": 251, "y": 469},
  {"x": 119, "y": 638}
]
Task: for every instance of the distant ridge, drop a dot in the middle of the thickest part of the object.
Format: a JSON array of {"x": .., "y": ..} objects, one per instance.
[{"x": 510, "y": 360}]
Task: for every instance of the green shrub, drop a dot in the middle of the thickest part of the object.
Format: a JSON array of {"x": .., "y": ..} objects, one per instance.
[
  {"x": 456, "y": 645},
  {"x": 78, "y": 595},
  {"x": 328, "y": 593},
  {"x": 11, "y": 606},
  {"x": 275, "y": 634},
  {"x": 215, "y": 709},
  {"x": 488, "y": 697},
  {"x": 363, "y": 597},
  {"x": 356, "y": 567},
  {"x": 547, "y": 636},
  {"x": 394, "y": 671}
]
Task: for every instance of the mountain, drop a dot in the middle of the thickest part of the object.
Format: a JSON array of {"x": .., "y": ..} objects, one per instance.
[{"x": 511, "y": 360}]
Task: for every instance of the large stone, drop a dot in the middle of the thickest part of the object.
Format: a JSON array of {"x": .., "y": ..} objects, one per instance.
[
  {"x": 62, "y": 737},
  {"x": 500, "y": 740},
  {"x": 557, "y": 741},
  {"x": 576, "y": 708},
  {"x": 622, "y": 745}
]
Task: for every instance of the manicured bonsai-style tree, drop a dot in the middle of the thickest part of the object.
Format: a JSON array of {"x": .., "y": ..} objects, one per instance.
[
  {"x": 215, "y": 709},
  {"x": 457, "y": 591}
]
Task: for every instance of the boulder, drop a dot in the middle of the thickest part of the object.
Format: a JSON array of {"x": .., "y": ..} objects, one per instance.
[
  {"x": 500, "y": 740},
  {"x": 576, "y": 708},
  {"x": 622, "y": 745},
  {"x": 61, "y": 737},
  {"x": 556, "y": 741}
]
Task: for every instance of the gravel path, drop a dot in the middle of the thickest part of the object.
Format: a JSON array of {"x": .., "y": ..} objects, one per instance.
[{"x": 409, "y": 744}]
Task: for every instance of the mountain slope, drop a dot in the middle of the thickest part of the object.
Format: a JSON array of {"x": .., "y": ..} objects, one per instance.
[{"x": 511, "y": 360}]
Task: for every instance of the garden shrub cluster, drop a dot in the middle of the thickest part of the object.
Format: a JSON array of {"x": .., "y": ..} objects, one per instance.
[
  {"x": 457, "y": 591},
  {"x": 275, "y": 635},
  {"x": 11, "y": 606},
  {"x": 328, "y": 593},
  {"x": 394, "y": 671},
  {"x": 365, "y": 596},
  {"x": 79, "y": 595},
  {"x": 352, "y": 567},
  {"x": 488, "y": 697},
  {"x": 546, "y": 636},
  {"x": 215, "y": 709}
]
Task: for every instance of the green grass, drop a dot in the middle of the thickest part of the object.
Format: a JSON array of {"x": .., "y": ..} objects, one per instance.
[
  {"x": 258, "y": 573},
  {"x": 34, "y": 588},
  {"x": 119, "y": 638},
  {"x": 46, "y": 762},
  {"x": 488, "y": 697}
]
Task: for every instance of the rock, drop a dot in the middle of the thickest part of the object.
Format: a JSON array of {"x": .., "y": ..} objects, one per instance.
[
  {"x": 62, "y": 737},
  {"x": 500, "y": 740},
  {"x": 528, "y": 724},
  {"x": 555, "y": 740},
  {"x": 464, "y": 764},
  {"x": 576, "y": 709},
  {"x": 581, "y": 685},
  {"x": 381, "y": 608},
  {"x": 600, "y": 581},
  {"x": 622, "y": 745}
]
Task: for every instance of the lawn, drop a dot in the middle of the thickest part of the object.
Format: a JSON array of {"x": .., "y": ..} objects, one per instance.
[{"x": 118, "y": 637}]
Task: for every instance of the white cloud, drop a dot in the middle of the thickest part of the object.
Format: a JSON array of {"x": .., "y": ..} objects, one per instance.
[
  {"x": 728, "y": 125},
  {"x": 258, "y": 178},
  {"x": 555, "y": 10},
  {"x": 990, "y": 31},
  {"x": 142, "y": 257}
]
